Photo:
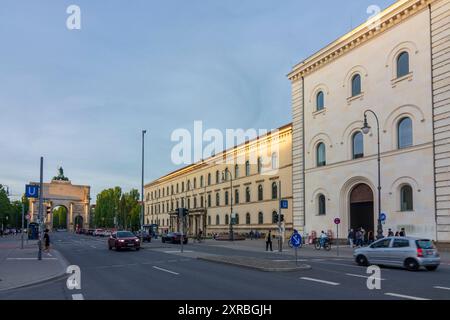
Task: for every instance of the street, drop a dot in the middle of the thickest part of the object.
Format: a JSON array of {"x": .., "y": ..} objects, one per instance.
[{"x": 161, "y": 272}]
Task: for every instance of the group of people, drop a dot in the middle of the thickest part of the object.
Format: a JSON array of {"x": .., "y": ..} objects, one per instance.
[{"x": 360, "y": 238}]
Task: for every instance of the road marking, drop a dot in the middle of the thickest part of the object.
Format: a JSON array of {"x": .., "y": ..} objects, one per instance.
[
  {"x": 362, "y": 276},
  {"x": 338, "y": 264},
  {"x": 30, "y": 259},
  {"x": 77, "y": 296},
  {"x": 165, "y": 270},
  {"x": 441, "y": 288},
  {"x": 320, "y": 281},
  {"x": 301, "y": 260},
  {"x": 404, "y": 296},
  {"x": 178, "y": 251},
  {"x": 93, "y": 247}
]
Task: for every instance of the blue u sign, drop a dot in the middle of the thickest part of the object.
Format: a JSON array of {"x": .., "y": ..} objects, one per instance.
[
  {"x": 32, "y": 191},
  {"x": 284, "y": 204}
]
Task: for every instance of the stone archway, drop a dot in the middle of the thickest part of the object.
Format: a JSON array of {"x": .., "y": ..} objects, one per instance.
[
  {"x": 362, "y": 208},
  {"x": 58, "y": 218}
]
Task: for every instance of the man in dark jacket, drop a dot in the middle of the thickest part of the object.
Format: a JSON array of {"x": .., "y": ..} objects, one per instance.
[
  {"x": 46, "y": 241},
  {"x": 269, "y": 241}
]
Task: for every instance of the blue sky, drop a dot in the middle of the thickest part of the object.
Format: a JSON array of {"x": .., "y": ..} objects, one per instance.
[{"x": 80, "y": 98}]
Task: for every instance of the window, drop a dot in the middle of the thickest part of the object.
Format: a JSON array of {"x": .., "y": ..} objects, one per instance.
[
  {"x": 381, "y": 244},
  {"x": 217, "y": 220},
  {"x": 227, "y": 219},
  {"x": 400, "y": 243},
  {"x": 202, "y": 203},
  {"x": 247, "y": 194},
  {"x": 163, "y": 192},
  {"x": 182, "y": 186},
  {"x": 189, "y": 203},
  {"x": 236, "y": 219},
  {"x": 321, "y": 155},
  {"x": 167, "y": 192},
  {"x": 217, "y": 199},
  {"x": 171, "y": 187},
  {"x": 195, "y": 202},
  {"x": 195, "y": 183},
  {"x": 209, "y": 200},
  {"x": 209, "y": 220},
  {"x": 358, "y": 145},
  {"x": 247, "y": 218},
  {"x": 259, "y": 164},
  {"x": 260, "y": 193},
  {"x": 209, "y": 179},
  {"x": 201, "y": 181},
  {"x": 177, "y": 188},
  {"x": 405, "y": 133},
  {"x": 322, "y": 205},
  {"x": 274, "y": 217},
  {"x": 260, "y": 218},
  {"x": 320, "y": 101},
  {"x": 275, "y": 164},
  {"x": 236, "y": 171},
  {"x": 171, "y": 206},
  {"x": 236, "y": 196},
  {"x": 247, "y": 168},
  {"x": 217, "y": 177},
  {"x": 274, "y": 191},
  {"x": 356, "y": 85},
  {"x": 406, "y": 198},
  {"x": 226, "y": 198},
  {"x": 189, "y": 185},
  {"x": 402, "y": 64}
]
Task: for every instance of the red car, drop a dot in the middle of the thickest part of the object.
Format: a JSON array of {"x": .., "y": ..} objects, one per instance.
[{"x": 123, "y": 240}]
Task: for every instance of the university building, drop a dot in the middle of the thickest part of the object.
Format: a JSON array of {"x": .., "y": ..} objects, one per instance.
[
  {"x": 245, "y": 183},
  {"x": 398, "y": 67}
]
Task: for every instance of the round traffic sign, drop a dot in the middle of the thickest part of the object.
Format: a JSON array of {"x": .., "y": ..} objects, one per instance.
[
  {"x": 337, "y": 221},
  {"x": 383, "y": 217},
  {"x": 296, "y": 240},
  {"x": 28, "y": 217}
]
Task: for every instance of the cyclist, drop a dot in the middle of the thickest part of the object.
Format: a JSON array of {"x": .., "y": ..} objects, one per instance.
[{"x": 323, "y": 239}]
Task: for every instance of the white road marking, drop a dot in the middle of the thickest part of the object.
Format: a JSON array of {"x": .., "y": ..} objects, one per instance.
[
  {"x": 404, "y": 296},
  {"x": 320, "y": 281},
  {"x": 178, "y": 251},
  {"x": 165, "y": 270},
  {"x": 301, "y": 260},
  {"x": 338, "y": 264},
  {"x": 362, "y": 276},
  {"x": 93, "y": 247},
  {"x": 77, "y": 296},
  {"x": 30, "y": 259},
  {"x": 441, "y": 288}
]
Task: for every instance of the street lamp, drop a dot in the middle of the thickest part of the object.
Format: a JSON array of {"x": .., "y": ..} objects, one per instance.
[
  {"x": 142, "y": 188},
  {"x": 224, "y": 177},
  {"x": 366, "y": 130}
]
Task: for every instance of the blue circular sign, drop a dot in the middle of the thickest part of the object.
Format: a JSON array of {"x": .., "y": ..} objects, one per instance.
[
  {"x": 296, "y": 240},
  {"x": 383, "y": 217}
]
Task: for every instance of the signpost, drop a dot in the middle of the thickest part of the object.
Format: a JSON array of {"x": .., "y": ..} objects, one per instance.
[
  {"x": 296, "y": 241},
  {"x": 337, "y": 222}
]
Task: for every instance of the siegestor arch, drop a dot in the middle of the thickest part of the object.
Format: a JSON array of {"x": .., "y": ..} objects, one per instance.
[{"x": 56, "y": 206}]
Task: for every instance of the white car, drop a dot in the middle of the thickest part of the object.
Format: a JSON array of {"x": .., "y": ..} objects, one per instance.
[{"x": 97, "y": 232}]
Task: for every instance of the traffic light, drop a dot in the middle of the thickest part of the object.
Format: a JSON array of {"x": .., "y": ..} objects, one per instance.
[
  {"x": 282, "y": 218},
  {"x": 49, "y": 210},
  {"x": 182, "y": 212},
  {"x": 275, "y": 218}
]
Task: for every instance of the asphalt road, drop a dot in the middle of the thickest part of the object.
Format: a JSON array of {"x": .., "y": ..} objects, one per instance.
[{"x": 160, "y": 272}]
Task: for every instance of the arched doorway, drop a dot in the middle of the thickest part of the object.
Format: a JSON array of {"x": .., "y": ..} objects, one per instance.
[
  {"x": 361, "y": 208},
  {"x": 78, "y": 223},
  {"x": 59, "y": 217}
]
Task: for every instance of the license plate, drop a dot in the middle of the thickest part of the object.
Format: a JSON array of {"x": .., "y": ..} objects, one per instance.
[
  {"x": 430, "y": 252},
  {"x": 130, "y": 244}
]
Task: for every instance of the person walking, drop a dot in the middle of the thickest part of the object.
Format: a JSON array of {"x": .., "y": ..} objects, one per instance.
[
  {"x": 251, "y": 234},
  {"x": 269, "y": 241},
  {"x": 402, "y": 232},
  {"x": 351, "y": 238},
  {"x": 46, "y": 241},
  {"x": 390, "y": 233},
  {"x": 358, "y": 237}
]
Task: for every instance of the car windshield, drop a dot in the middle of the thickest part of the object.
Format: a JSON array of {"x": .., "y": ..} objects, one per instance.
[
  {"x": 124, "y": 234},
  {"x": 425, "y": 244}
]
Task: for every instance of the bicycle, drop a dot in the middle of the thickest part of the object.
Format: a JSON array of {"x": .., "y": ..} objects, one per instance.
[{"x": 326, "y": 245}]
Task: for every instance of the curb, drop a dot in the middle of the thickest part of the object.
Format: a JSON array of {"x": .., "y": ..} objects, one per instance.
[{"x": 263, "y": 269}]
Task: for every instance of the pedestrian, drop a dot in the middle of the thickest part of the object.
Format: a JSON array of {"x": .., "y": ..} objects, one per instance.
[
  {"x": 269, "y": 241},
  {"x": 46, "y": 241},
  {"x": 251, "y": 234},
  {"x": 323, "y": 238},
  {"x": 402, "y": 232},
  {"x": 358, "y": 237},
  {"x": 363, "y": 236},
  {"x": 351, "y": 238},
  {"x": 390, "y": 233},
  {"x": 370, "y": 237},
  {"x": 397, "y": 234}
]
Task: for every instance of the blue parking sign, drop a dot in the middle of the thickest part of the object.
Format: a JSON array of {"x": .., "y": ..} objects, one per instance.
[
  {"x": 284, "y": 204},
  {"x": 32, "y": 191}
]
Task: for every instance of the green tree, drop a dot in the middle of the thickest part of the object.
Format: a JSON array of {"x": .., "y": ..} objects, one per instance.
[
  {"x": 107, "y": 207},
  {"x": 5, "y": 208}
]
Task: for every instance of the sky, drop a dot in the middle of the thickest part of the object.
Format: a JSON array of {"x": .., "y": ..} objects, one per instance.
[{"x": 80, "y": 98}]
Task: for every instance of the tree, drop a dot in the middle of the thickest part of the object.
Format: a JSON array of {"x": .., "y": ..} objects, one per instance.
[{"x": 107, "y": 206}]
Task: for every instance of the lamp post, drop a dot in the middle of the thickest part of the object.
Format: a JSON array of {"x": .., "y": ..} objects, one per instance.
[
  {"x": 142, "y": 188},
  {"x": 224, "y": 177},
  {"x": 366, "y": 130}
]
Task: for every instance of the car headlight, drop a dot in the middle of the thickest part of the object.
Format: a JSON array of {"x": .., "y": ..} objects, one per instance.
[
  {"x": 137, "y": 240},
  {"x": 121, "y": 240}
]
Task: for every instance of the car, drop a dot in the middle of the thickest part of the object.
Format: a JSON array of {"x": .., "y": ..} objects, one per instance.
[
  {"x": 90, "y": 232},
  {"x": 173, "y": 237},
  {"x": 145, "y": 236},
  {"x": 123, "y": 240},
  {"x": 97, "y": 232},
  {"x": 406, "y": 252},
  {"x": 106, "y": 233}
]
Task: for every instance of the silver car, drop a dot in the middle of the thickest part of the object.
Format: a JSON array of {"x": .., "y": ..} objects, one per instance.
[{"x": 410, "y": 253}]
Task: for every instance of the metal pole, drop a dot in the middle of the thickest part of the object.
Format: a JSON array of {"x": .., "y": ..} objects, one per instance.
[
  {"x": 40, "y": 215},
  {"x": 142, "y": 189},
  {"x": 231, "y": 206},
  {"x": 23, "y": 210},
  {"x": 181, "y": 215},
  {"x": 280, "y": 240},
  {"x": 337, "y": 238}
]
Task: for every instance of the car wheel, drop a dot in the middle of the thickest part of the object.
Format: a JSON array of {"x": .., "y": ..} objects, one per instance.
[
  {"x": 117, "y": 249},
  {"x": 163, "y": 241},
  {"x": 411, "y": 264},
  {"x": 362, "y": 260},
  {"x": 109, "y": 247},
  {"x": 432, "y": 268},
  {"x": 137, "y": 249}
]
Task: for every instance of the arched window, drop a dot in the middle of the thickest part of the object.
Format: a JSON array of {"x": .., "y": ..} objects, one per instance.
[
  {"x": 274, "y": 217},
  {"x": 247, "y": 168},
  {"x": 260, "y": 218},
  {"x": 260, "y": 193},
  {"x": 195, "y": 202},
  {"x": 275, "y": 164},
  {"x": 402, "y": 64},
  {"x": 274, "y": 190},
  {"x": 209, "y": 179},
  {"x": 236, "y": 171},
  {"x": 209, "y": 200},
  {"x": 209, "y": 220},
  {"x": 405, "y": 133},
  {"x": 320, "y": 101},
  {"x": 236, "y": 196},
  {"x": 321, "y": 155},
  {"x": 247, "y": 194},
  {"x": 236, "y": 219},
  {"x": 322, "y": 205},
  {"x": 217, "y": 220},
  {"x": 202, "y": 203},
  {"x": 356, "y": 85},
  {"x": 358, "y": 145},
  {"x": 226, "y": 176},
  {"x": 171, "y": 187},
  {"x": 259, "y": 164},
  {"x": 182, "y": 186},
  {"x": 226, "y": 198},
  {"x": 188, "y": 185},
  {"x": 227, "y": 219},
  {"x": 201, "y": 181},
  {"x": 247, "y": 218},
  {"x": 217, "y": 177},
  {"x": 406, "y": 198},
  {"x": 217, "y": 199},
  {"x": 189, "y": 203},
  {"x": 178, "y": 190},
  {"x": 195, "y": 183}
]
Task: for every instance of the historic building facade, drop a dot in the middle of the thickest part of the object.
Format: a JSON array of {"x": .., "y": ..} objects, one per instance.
[
  {"x": 249, "y": 177},
  {"x": 399, "y": 68}
]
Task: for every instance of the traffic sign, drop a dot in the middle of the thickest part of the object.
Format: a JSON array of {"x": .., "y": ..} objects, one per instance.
[
  {"x": 337, "y": 221},
  {"x": 383, "y": 217},
  {"x": 32, "y": 191},
  {"x": 296, "y": 240},
  {"x": 28, "y": 217},
  {"x": 284, "y": 204}
]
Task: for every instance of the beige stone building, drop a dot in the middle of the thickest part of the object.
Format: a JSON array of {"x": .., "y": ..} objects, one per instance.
[
  {"x": 398, "y": 66},
  {"x": 255, "y": 171}
]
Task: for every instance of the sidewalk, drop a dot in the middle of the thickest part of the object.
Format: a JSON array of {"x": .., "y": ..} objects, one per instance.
[{"x": 20, "y": 267}]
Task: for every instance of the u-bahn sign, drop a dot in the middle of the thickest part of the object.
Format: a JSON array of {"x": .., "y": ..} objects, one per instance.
[{"x": 32, "y": 191}]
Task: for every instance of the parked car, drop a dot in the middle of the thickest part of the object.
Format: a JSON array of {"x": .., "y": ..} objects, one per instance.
[
  {"x": 407, "y": 252},
  {"x": 123, "y": 240},
  {"x": 97, "y": 232},
  {"x": 90, "y": 232},
  {"x": 106, "y": 233},
  {"x": 146, "y": 237},
  {"x": 173, "y": 237}
]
